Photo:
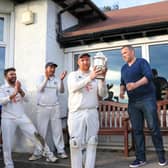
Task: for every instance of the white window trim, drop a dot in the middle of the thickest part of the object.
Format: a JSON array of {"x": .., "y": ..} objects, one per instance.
[
  {"x": 115, "y": 44},
  {"x": 8, "y": 39},
  {"x": 2, "y": 43},
  {"x": 11, "y": 42},
  {"x": 143, "y": 42}
]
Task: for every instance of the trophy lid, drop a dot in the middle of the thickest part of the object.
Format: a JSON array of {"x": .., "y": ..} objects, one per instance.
[{"x": 99, "y": 55}]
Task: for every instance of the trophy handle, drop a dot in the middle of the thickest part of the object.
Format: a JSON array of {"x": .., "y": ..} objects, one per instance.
[{"x": 106, "y": 61}]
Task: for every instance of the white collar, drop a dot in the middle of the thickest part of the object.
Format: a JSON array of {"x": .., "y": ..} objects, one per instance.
[
  {"x": 83, "y": 73},
  {"x": 7, "y": 84}
]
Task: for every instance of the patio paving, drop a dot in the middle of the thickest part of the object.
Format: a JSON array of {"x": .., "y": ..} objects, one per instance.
[{"x": 105, "y": 159}]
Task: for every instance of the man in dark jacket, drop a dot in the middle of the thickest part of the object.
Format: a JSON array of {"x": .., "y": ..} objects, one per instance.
[{"x": 137, "y": 80}]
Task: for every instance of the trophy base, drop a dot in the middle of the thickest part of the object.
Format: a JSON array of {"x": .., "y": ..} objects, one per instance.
[{"x": 100, "y": 77}]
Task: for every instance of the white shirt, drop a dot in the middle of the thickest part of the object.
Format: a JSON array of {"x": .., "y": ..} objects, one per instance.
[
  {"x": 83, "y": 92},
  {"x": 11, "y": 109},
  {"x": 48, "y": 91}
]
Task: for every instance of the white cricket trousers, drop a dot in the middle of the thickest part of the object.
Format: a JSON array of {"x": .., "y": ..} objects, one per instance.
[
  {"x": 83, "y": 126},
  {"x": 51, "y": 114},
  {"x": 8, "y": 132}
]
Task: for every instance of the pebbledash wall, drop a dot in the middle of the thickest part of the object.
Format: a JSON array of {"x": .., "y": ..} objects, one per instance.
[{"x": 29, "y": 47}]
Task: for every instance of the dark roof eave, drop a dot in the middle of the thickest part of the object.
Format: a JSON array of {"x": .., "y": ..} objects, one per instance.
[
  {"x": 102, "y": 14},
  {"x": 145, "y": 30},
  {"x": 19, "y": 1}
]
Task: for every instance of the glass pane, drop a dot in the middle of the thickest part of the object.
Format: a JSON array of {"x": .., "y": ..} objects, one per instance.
[
  {"x": 138, "y": 52},
  {"x": 1, "y": 28},
  {"x": 2, "y": 64},
  {"x": 114, "y": 63},
  {"x": 75, "y": 61},
  {"x": 159, "y": 58}
]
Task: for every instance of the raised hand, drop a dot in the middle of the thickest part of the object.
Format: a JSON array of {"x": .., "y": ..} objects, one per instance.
[
  {"x": 63, "y": 75},
  {"x": 18, "y": 89},
  {"x": 17, "y": 86},
  {"x": 95, "y": 73},
  {"x": 47, "y": 75}
]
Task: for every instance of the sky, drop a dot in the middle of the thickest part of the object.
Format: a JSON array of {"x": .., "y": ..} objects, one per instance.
[{"x": 123, "y": 3}]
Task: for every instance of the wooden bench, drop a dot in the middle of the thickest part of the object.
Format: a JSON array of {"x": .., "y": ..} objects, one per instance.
[{"x": 114, "y": 120}]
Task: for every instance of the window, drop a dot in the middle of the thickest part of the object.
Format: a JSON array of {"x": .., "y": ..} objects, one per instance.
[
  {"x": 2, "y": 63},
  {"x": 114, "y": 63},
  {"x": 1, "y": 28},
  {"x": 2, "y": 48},
  {"x": 159, "y": 58}
]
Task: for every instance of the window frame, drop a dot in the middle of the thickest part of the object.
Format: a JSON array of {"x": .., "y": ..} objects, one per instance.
[
  {"x": 6, "y": 28},
  {"x": 154, "y": 44},
  {"x": 8, "y": 39},
  {"x": 100, "y": 50},
  {"x": 3, "y": 43},
  {"x": 145, "y": 43}
]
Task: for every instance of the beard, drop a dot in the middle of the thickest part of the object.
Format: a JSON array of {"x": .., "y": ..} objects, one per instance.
[{"x": 12, "y": 81}]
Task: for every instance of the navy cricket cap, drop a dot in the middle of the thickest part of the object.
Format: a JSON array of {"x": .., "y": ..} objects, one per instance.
[
  {"x": 50, "y": 64},
  {"x": 83, "y": 55}
]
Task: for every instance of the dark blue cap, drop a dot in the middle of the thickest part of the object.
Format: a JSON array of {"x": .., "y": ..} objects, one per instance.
[
  {"x": 50, "y": 64},
  {"x": 83, "y": 55}
]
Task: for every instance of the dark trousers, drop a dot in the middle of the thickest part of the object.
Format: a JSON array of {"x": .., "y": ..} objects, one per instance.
[{"x": 138, "y": 111}]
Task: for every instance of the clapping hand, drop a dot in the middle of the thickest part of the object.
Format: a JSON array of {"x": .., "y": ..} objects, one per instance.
[
  {"x": 19, "y": 89},
  {"x": 63, "y": 75},
  {"x": 17, "y": 86},
  {"x": 47, "y": 75}
]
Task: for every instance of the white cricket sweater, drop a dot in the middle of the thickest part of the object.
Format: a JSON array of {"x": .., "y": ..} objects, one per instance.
[
  {"x": 83, "y": 92},
  {"x": 48, "y": 90},
  {"x": 11, "y": 109}
]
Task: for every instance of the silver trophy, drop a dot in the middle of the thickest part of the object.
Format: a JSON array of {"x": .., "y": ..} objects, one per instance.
[{"x": 100, "y": 62}]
